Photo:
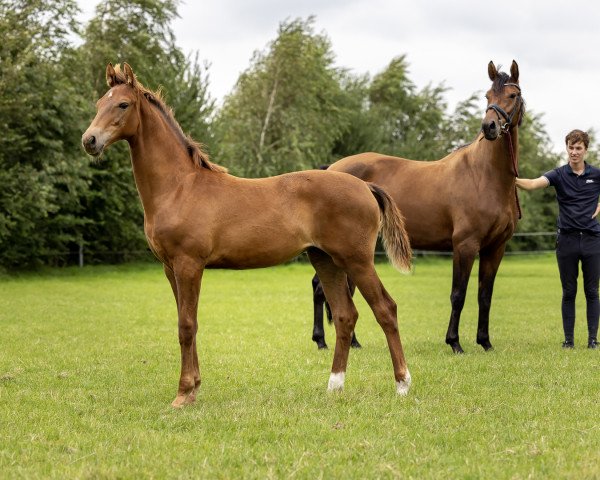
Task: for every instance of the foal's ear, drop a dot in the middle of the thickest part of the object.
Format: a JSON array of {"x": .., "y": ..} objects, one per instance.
[
  {"x": 111, "y": 75},
  {"x": 129, "y": 75},
  {"x": 492, "y": 72},
  {"x": 514, "y": 71}
]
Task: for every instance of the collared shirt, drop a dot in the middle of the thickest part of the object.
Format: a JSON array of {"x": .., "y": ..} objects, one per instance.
[{"x": 577, "y": 197}]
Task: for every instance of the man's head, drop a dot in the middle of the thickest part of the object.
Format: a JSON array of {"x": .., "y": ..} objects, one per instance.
[{"x": 576, "y": 136}]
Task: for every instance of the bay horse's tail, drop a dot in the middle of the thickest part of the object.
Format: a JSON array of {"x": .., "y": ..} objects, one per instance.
[{"x": 393, "y": 232}]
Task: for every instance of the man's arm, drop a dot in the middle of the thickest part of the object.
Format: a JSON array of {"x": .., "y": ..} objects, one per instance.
[{"x": 532, "y": 183}]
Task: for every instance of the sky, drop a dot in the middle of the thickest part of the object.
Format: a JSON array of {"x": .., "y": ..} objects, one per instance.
[{"x": 555, "y": 43}]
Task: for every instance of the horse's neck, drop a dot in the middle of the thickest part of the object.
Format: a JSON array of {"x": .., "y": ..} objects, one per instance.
[
  {"x": 498, "y": 158},
  {"x": 160, "y": 161}
]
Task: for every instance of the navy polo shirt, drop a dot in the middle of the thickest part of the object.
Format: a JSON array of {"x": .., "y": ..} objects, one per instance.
[{"x": 577, "y": 197}]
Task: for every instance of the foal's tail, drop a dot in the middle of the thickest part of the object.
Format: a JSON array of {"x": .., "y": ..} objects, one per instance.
[{"x": 393, "y": 232}]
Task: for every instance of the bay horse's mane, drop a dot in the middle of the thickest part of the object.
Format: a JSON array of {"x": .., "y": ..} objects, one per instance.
[{"x": 195, "y": 149}]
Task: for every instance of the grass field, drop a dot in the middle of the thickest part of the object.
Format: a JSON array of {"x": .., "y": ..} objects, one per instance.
[{"x": 89, "y": 363}]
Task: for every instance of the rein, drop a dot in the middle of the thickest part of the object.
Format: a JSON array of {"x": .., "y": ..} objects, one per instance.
[{"x": 515, "y": 170}]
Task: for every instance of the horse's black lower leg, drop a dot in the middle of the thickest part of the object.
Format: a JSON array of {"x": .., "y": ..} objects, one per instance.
[
  {"x": 318, "y": 335},
  {"x": 488, "y": 267},
  {"x": 457, "y": 299},
  {"x": 462, "y": 265}
]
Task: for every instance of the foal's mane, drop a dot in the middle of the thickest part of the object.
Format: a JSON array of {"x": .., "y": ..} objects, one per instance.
[{"x": 194, "y": 149}]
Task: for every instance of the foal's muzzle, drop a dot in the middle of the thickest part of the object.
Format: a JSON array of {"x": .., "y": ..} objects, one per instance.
[{"x": 91, "y": 145}]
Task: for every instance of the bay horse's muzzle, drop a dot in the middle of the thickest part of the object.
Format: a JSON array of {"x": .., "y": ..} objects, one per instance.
[{"x": 491, "y": 129}]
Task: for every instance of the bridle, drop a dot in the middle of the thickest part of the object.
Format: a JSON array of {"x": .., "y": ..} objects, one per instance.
[
  {"x": 502, "y": 113},
  {"x": 505, "y": 129}
]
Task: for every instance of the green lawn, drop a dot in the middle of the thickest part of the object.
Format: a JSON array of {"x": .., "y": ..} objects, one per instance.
[{"x": 89, "y": 363}]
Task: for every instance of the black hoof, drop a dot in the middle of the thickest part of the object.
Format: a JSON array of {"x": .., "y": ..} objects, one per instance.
[
  {"x": 322, "y": 346},
  {"x": 456, "y": 348},
  {"x": 355, "y": 344},
  {"x": 487, "y": 346}
]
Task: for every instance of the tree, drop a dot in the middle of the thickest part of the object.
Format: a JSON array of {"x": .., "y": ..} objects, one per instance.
[
  {"x": 42, "y": 171},
  {"x": 411, "y": 123},
  {"x": 285, "y": 111}
]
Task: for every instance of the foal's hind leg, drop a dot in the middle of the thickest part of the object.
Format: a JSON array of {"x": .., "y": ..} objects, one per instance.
[
  {"x": 385, "y": 310},
  {"x": 334, "y": 282}
]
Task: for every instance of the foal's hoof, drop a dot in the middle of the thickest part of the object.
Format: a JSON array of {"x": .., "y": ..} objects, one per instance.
[
  {"x": 184, "y": 399},
  {"x": 355, "y": 344},
  {"x": 487, "y": 346},
  {"x": 403, "y": 386},
  {"x": 456, "y": 348}
]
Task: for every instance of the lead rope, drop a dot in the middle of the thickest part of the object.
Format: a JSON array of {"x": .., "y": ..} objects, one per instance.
[{"x": 515, "y": 170}]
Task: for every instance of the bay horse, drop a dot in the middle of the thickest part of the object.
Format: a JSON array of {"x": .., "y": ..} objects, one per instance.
[
  {"x": 465, "y": 203},
  {"x": 197, "y": 216}
]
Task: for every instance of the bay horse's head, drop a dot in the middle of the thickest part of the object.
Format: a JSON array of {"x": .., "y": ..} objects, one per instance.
[
  {"x": 117, "y": 112},
  {"x": 505, "y": 105}
]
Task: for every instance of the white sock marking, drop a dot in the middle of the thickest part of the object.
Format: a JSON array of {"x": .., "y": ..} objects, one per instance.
[
  {"x": 336, "y": 381},
  {"x": 403, "y": 386}
]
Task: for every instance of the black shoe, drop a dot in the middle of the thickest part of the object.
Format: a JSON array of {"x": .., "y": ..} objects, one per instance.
[
  {"x": 568, "y": 344},
  {"x": 593, "y": 344}
]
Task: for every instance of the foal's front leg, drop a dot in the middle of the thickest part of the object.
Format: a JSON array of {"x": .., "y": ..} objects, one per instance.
[{"x": 185, "y": 278}]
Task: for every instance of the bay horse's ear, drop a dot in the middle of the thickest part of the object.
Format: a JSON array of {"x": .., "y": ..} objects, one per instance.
[
  {"x": 129, "y": 75},
  {"x": 514, "y": 71},
  {"x": 492, "y": 72},
  {"x": 111, "y": 75}
]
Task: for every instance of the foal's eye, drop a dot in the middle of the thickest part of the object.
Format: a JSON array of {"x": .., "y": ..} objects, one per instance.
[
  {"x": 123, "y": 105},
  {"x": 513, "y": 95}
]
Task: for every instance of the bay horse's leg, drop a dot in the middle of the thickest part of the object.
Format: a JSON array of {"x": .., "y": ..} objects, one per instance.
[
  {"x": 319, "y": 300},
  {"x": 489, "y": 262},
  {"x": 335, "y": 285},
  {"x": 461, "y": 270},
  {"x": 385, "y": 310},
  {"x": 318, "y": 335},
  {"x": 352, "y": 289},
  {"x": 187, "y": 275}
]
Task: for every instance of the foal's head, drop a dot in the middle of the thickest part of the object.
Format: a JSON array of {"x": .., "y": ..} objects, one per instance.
[
  {"x": 505, "y": 105},
  {"x": 117, "y": 112}
]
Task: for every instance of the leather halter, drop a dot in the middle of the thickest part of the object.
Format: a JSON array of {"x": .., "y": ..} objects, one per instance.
[{"x": 502, "y": 113}]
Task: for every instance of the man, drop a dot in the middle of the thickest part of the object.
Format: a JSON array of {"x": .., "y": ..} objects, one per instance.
[{"x": 577, "y": 187}]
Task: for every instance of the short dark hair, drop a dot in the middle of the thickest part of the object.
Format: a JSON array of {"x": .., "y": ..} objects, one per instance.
[{"x": 576, "y": 136}]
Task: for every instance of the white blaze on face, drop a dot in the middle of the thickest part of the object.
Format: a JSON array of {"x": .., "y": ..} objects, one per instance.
[
  {"x": 336, "y": 381},
  {"x": 110, "y": 94}
]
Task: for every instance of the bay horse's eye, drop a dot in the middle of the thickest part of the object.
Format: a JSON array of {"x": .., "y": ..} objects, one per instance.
[
  {"x": 123, "y": 105},
  {"x": 513, "y": 95}
]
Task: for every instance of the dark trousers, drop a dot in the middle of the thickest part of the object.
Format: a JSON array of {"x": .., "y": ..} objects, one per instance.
[{"x": 572, "y": 248}]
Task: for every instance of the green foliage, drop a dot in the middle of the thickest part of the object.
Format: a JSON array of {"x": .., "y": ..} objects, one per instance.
[
  {"x": 411, "y": 124},
  {"x": 285, "y": 111},
  {"x": 42, "y": 170},
  {"x": 90, "y": 396}
]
